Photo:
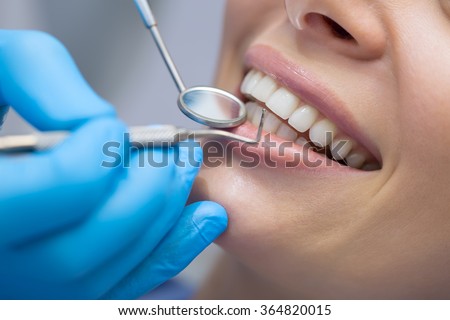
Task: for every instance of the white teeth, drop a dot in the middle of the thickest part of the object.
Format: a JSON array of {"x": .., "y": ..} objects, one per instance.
[
  {"x": 250, "y": 81},
  {"x": 303, "y": 119},
  {"x": 283, "y": 103},
  {"x": 287, "y": 133},
  {"x": 264, "y": 89},
  {"x": 322, "y": 133},
  {"x": 256, "y": 117},
  {"x": 355, "y": 160},
  {"x": 340, "y": 148},
  {"x": 271, "y": 123},
  {"x": 254, "y": 111},
  {"x": 251, "y": 109}
]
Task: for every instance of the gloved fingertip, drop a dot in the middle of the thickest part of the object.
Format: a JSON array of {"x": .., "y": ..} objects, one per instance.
[
  {"x": 189, "y": 160},
  {"x": 190, "y": 153},
  {"x": 104, "y": 129},
  {"x": 97, "y": 146},
  {"x": 211, "y": 220},
  {"x": 198, "y": 153}
]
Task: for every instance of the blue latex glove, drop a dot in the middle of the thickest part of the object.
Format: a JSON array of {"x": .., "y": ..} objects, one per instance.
[
  {"x": 3, "y": 112},
  {"x": 69, "y": 227}
]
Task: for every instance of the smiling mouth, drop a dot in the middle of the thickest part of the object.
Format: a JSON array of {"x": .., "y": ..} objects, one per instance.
[{"x": 291, "y": 119}]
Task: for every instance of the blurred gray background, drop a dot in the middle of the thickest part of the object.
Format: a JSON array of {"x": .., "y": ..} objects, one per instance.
[{"x": 118, "y": 58}]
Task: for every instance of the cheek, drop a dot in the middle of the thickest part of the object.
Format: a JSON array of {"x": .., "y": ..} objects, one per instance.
[
  {"x": 422, "y": 66},
  {"x": 244, "y": 19},
  {"x": 424, "y": 106}
]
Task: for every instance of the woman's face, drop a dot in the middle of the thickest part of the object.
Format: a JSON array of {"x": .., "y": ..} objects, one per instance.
[{"x": 373, "y": 72}]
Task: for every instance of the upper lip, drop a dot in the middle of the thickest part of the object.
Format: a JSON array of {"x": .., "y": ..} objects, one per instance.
[{"x": 307, "y": 86}]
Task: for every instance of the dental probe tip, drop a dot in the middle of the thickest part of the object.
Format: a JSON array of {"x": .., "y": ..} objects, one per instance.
[{"x": 261, "y": 125}]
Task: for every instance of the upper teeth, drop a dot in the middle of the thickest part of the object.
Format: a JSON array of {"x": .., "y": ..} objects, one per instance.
[{"x": 301, "y": 117}]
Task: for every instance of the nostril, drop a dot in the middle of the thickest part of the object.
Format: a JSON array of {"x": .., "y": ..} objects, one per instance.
[{"x": 336, "y": 29}]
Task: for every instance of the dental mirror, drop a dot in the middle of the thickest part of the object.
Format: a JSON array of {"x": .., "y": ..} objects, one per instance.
[{"x": 209, "y": 106}]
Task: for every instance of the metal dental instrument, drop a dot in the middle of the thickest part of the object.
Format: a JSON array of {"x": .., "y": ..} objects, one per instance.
[
  {"x": 209, "y": 106},
  {"x": 140, "y": 137}
]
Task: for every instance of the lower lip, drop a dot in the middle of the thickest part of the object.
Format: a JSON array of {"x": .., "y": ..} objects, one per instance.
[{"x": 288, "y": 155}]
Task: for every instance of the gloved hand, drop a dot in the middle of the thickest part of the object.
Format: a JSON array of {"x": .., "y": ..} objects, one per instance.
[
  {"x": 71, "y": 228},
  {"x": 3, "y": 112}
]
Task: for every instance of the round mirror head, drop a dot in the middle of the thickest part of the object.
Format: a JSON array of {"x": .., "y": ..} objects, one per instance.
[{"x": 212, "y": 107}]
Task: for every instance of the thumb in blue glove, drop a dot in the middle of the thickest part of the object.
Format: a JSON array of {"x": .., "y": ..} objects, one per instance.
[{"x": 199, "y": 225}]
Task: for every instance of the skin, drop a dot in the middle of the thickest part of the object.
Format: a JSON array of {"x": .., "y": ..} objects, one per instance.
[{"x": 383, "y": 234}]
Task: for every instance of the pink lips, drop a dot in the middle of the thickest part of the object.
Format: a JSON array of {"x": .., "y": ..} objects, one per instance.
[{"x": 304, "y": 84}]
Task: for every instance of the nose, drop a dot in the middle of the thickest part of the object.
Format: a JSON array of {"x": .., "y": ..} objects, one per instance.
[{"x": 351, "y": 27}]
